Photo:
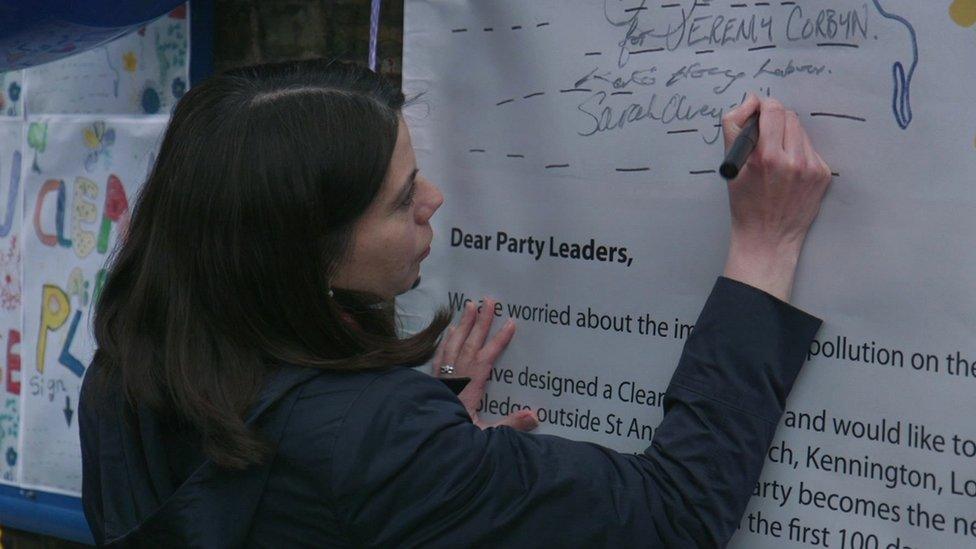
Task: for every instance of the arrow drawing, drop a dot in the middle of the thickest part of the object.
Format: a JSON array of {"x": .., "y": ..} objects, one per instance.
[{"x": 68, "y": 412}]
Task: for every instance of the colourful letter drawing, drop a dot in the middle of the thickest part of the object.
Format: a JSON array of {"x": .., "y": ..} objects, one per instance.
[
  {"x": 67, "y": 359},
  {"x": 13, "y": 362},
  {"x": 8, "y": 220},
  {"x": 84, "y": 212},
  {"x": 48, "y": 239},
  {"x": 78, "y": 286},
  {"x": 55, "y": 309},
  {"x": 116, "y": 211}
]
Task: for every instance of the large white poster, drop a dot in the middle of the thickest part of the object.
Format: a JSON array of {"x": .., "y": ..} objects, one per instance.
[{"x": 576, "y": 142}]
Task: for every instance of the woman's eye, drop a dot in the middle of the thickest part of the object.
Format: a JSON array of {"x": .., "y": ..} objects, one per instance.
[{"x": 409, "y": 199}]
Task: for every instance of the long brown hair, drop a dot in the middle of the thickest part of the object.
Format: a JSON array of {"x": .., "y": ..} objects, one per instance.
[{"x": 224, "y": 271}]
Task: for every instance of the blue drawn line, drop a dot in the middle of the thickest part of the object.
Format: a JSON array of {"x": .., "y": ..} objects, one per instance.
[
  {"x": 115, "y": 84},
  {"x": 901, "y": 97},
  {"x": 11, "y": 195}
]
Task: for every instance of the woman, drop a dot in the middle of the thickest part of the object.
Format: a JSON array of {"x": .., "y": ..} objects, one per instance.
[{"x": 249, "y": 386}]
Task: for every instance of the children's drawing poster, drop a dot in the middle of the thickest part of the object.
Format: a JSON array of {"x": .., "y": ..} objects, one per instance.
[
  {"x": 577, "y": 144},
  {"x": 77, "y": 139},
  {"x": 11, "y": 280},
  {"x": 77, "y": 205},
  {"x": 144, "y": 72}
]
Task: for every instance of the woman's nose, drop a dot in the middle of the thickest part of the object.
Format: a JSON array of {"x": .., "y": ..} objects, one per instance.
[{"x": 432, "y": 200}]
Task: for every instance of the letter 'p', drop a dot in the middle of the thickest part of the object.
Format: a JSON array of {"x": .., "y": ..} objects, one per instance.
[{"x": 55, "y": 309}]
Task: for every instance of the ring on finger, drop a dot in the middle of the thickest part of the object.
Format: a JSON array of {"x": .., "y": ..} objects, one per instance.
[{"x": 447, "y": 369}]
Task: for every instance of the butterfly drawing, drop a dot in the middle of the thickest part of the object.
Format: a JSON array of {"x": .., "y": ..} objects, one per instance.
[{"x": 98, "y": 138}]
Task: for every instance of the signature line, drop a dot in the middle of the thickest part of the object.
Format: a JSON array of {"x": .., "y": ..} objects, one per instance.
[{"x": 835, "y": 115}]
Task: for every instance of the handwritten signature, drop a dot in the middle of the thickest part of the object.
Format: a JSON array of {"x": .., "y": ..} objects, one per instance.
[{"x": 668, "y": 109}]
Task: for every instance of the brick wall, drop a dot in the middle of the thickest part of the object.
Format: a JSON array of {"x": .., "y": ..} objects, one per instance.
[{"x": 255, "y": 31}]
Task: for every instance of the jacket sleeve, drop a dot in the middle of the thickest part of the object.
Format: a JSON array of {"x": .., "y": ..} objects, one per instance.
[{"x": 409, "y": 467}]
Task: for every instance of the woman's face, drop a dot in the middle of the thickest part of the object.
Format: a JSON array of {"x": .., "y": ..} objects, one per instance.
[{"x": 393, "y": 236}]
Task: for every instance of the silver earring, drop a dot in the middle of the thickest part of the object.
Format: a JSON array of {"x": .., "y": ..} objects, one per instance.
[{"x": 331, "y": 293}]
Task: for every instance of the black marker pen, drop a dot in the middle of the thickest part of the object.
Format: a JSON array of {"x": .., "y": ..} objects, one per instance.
[{"x": 740, "y": 149}]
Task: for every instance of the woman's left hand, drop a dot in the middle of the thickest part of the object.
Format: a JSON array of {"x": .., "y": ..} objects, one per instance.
[{"x": 467, "y": 348}]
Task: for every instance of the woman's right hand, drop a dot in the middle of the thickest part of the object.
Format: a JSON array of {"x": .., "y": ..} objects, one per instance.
[
  {"x": 472, "y": 354},
  {"x": 774, "y": 199}
]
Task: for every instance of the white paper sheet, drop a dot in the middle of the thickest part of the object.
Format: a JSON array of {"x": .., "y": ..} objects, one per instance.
[
  {"x": 571, "y": 122},
  {"x": 76, "y": 206}
]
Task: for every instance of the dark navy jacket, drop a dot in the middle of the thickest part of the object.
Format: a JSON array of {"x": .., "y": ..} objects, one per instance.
[{"x": 391, "y": 458}]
